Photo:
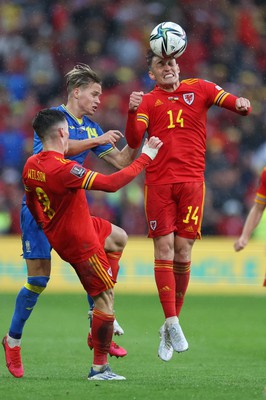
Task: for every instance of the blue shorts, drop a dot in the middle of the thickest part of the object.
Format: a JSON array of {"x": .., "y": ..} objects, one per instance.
[{"x": 34, "y": 242}]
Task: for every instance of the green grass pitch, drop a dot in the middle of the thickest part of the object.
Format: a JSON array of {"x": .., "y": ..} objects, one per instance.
[{"x": 226, "y": 359}]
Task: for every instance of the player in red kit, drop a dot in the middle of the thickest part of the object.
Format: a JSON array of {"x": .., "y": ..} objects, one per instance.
[
  {"x": 55, "y": 198},
  {"x": 254, "y": 216},
  {"x": 84, "y": 90},
  {"x": 176, "y": 112}
]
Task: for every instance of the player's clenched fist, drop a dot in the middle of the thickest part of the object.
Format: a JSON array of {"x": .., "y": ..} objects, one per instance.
[
  {"x": 134, "y": 100},
  {"x": 242, "y": 104}
]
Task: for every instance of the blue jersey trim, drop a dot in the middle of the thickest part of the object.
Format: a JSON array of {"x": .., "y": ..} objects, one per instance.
[{"x": 79, "y": 129}]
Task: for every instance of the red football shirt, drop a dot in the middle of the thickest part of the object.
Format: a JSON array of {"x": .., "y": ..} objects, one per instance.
[
  {"x": 261, "y": 191},
  {"x": 56, "y": 198},
  {"x": 178, "y": 118}
]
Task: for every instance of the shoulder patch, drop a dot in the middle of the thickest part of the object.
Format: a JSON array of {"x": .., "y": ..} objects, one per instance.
[
  {"x": 78, "y": 171},
  {"x": 190, "y": 81}
]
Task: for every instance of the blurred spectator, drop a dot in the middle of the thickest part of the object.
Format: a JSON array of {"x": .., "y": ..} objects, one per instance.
[
  {"x": 231, "y": 221},
  {"x": 11, "y": 193},
  {"x": 41, "y": 41}
]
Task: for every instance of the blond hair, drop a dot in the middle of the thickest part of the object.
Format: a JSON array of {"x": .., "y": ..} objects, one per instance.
[{"x": 81, "y": 75}]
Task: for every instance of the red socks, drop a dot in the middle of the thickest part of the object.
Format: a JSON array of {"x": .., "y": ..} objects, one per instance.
[
  {"x": 172, "y": 282},
  {"x": 165, "y": 281},
  {"x": 113, "y": 258},
  {"x": 102, "y": 332},
  {"x": 182, "y": 275}
]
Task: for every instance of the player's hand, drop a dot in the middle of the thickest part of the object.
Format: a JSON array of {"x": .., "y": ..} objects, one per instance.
[
  {"x": 152, "y": 146},
  {"x": 134, "y": 100},
  {"x": 242, "y": 104},
  {"x": 240, "y": 244},
  {"x": 111, "y": 137}
]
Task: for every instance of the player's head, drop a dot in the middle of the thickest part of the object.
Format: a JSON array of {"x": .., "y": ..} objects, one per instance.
[
  {"x": 51, "y": 125},
  {"x": 84, "y": 89},
  {"x": 80, "y": 76},
  {"x": 164, "y": 71}
]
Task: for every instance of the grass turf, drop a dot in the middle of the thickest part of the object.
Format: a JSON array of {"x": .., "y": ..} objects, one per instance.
[{"x": 226, "y": 359}]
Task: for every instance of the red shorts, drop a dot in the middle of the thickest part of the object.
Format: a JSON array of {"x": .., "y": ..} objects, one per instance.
[
  {"x": 176, "y": 207},
  {"x": 95, "y": 274},
  {"x": 102, "y": 227}
]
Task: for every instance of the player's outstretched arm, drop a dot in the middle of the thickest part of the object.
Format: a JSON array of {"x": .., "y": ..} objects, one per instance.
[
  {"x": 78, "y": 146},
  {"x": 252, "y": 221},
  {"x": 121, "y": 158},
  {"x": 113, "y": 182},
  {"x": 239, "y": 105}
]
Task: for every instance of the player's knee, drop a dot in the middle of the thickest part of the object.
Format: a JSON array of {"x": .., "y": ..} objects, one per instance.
[
  {"x": 121, "y": 239},
  {"x": 183, "y": 248},
  {"x": 164, "y": 247},
  {"x": 124, "y": 238},
  {"x": 117, "y": 240},
  {"x": 37, "y": 283}
]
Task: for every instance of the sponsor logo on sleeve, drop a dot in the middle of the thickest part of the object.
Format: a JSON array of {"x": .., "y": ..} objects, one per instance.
[{"x": 78, "y": 171}]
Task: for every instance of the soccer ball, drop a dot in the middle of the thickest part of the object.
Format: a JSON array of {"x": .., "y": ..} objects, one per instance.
[{"x": 168, "y": 40}]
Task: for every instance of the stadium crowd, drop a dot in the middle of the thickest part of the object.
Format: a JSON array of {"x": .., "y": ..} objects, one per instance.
[{"x": 41, "y": 41}]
